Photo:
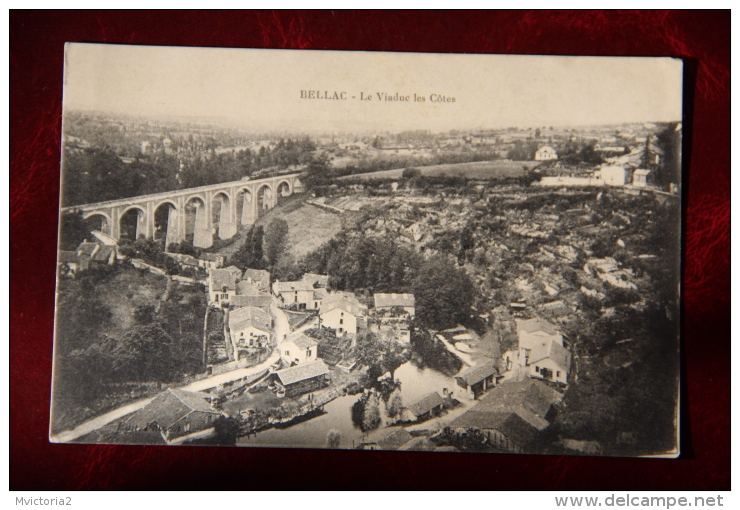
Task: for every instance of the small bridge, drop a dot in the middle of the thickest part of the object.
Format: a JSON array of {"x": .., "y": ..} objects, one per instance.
[{"x": 205, "y": 212}]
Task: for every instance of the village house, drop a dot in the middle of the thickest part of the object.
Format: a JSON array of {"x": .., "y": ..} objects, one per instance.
[
  {"x": 184, "y": 260},
  {"x": 301, "y": 379},
  {"x": 68, "y": 259},
  {"x": 393, "y": 438},
  {"x": 541, "y": 352},
  {"x": 342, "y": 312},
  {"x": 615, "y": 175},
  {"x": 512, "y": 416},
  {"x": 178, "y": 415},
  {"x": 428, "y": 407},
  {"x": 221, "y": 286},
  {"x": 389, "y": 303},
  {"x": 91, "y": 254},
  {"x": 531, "y": 394},
  {"x": 211, "y": 260},
  {"x": 259, "y": 278},
  {"x": 509, "y": 431},
  {"x": 250, "y": 327},
  {"x": 298, "y": 293},
  {"x": 474, "y": 381},
  {"x": 298, "y": 349},
  {"x": 641, "y": 178},
  {"x": 545, "y": 153}
]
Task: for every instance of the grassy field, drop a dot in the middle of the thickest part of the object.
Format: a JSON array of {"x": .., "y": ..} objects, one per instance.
[
  {"x": 483, "y": 170},
  {"x": 308, "y": 226}
]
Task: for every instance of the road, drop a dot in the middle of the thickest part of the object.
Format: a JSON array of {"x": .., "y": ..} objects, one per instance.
[{"x": 282, "y": 328}]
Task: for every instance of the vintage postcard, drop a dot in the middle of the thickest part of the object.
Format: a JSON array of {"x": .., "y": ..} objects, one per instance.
[{"x": 358, "y": 250}]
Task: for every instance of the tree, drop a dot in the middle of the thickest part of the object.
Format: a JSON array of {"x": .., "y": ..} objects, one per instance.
[
  {"x": 394, "y": 407},
  {"x": 226, "y": 430},
  {"x": 73, "y": 230},
  {"x": 333, "y": 438},
  {"x": 317, "y": 173},
  {"x": 371, "y": 414},
  {"x": 275, "y": 240},
  {"x": 385, "y": 355},
  {"x": 669, "y": 139},
  {"x": 444, "y": 293},
  {"x": 144, "y": 314},
  {"x": 251, "y": 252},
  {"x": 410, "y": 173}
]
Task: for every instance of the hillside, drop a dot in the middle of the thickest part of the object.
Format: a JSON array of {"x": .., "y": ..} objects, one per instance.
[{"x": 498, "y": 169}]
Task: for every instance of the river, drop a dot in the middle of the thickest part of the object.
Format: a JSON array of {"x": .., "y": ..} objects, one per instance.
[{"x": 415, "y": 383}]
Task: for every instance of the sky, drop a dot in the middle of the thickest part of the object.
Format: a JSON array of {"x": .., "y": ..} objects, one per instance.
[{"x": 262, "y": 89}]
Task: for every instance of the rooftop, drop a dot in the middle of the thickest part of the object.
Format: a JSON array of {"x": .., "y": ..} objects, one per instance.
[
  {"x": 536, "y": 324},
  {"x": 530, "y": 394},
  {"x": 426, "y": 404},
  {"x": 301, "y": 340},
  {"x": 249, "y": 316},
  {"x": 390, "y": 300},
  {"x": 169, "y": 407},
  {"x": 222, "y": 279},
  {"x": 474, "y": 375},
  {"x": 300, "y": 373}
]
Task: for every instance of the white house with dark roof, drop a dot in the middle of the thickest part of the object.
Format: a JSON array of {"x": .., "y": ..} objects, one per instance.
[
  {"x": 250, "y": 327},
  {"x": 299, "y": 293},
  {"x": 541, "y": 352},
  {"x": 342, "y": 312},
  {"x": 298, "y": 349},
  {"x": 221, "y": 286}
]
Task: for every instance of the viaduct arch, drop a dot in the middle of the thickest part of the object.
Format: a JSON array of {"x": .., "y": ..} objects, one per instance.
[{"x": 218, "y": 209}]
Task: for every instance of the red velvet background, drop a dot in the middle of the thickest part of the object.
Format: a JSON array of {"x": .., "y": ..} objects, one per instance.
[{"x": 36, "y": 62}]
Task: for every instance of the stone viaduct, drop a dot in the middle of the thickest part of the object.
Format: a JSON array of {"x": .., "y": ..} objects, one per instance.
[{"x": 205, "y": 212}]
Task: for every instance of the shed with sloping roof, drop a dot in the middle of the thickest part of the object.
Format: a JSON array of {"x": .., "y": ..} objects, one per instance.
[{"x": 302, "y": 378}]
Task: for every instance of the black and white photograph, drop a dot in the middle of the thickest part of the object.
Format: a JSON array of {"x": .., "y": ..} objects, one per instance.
[{"x": 369, "y": 251}]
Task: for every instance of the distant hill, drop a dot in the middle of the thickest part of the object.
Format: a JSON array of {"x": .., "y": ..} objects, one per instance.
[{"x": 484, "y": 170}]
